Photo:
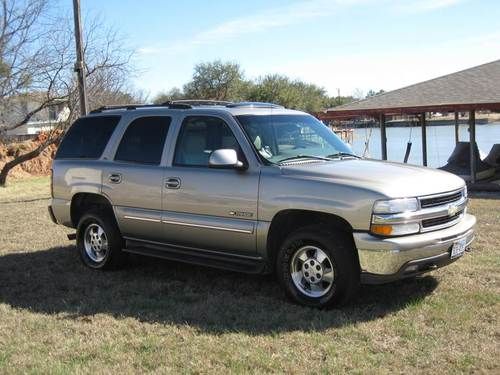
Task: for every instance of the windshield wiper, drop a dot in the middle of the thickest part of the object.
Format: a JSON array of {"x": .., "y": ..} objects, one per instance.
[
  {"x": 340, "y": 154},
  {"x": 304, "y": 157}
]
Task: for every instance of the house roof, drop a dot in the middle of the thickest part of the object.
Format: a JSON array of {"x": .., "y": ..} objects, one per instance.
[{"x": 476, "y": 88}]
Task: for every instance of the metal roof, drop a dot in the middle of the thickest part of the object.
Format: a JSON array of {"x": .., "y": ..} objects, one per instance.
[{"x": 476, "y": 88}]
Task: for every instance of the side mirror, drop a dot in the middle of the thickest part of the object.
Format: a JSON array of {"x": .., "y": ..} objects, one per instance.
[{"x": 225, "y": 158}]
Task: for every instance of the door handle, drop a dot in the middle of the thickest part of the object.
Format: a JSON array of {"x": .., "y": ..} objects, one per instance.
[
  {"x": 115, "y": 178},
  {"x": 173, "y": 183}
]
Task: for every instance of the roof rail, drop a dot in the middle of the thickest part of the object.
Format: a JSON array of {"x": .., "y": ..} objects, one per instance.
[
  {"x": 254, "y": 105},
  {"x": 129, "y": 107},
  {"x": 195, "y": 102},
  {"x": 187, "y": 104}
]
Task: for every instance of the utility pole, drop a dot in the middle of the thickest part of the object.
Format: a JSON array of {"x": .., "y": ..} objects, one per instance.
[{"x": 80, "y": 65}]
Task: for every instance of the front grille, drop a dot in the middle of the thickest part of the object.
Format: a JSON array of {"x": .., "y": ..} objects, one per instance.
[
  {"x": 440, "y": 200},
  {"x": 440, "y": 220}
]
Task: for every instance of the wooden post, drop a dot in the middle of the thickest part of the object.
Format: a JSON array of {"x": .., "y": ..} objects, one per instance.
[
  {"x": 457, "y": 129},
  {"x": 472, "y": 140},
  {"x": 424, "y": 138},
  {"x": 80, "y": 65},
  {"x": 383, "y": 136}
]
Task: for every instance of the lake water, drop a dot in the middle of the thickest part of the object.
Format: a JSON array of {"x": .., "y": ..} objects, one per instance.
[{"x": 440, "y": 142}]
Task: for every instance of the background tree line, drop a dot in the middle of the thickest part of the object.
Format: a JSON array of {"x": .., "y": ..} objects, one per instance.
[{"x": 220, "y": 80}]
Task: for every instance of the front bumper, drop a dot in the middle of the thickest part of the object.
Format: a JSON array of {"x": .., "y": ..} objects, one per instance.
[{"x": 387, "y": 259}]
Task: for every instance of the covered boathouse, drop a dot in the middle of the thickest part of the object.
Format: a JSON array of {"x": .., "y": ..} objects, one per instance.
[{"x": 470, "y": 90}]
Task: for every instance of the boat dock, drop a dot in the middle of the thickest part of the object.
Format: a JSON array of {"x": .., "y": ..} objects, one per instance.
[{"x": 464, "y": 95}]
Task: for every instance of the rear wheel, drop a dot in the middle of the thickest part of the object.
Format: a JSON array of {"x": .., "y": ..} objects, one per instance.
[
  {"x": 317, "y": 267},
  {"x": 99, "y": 241}
]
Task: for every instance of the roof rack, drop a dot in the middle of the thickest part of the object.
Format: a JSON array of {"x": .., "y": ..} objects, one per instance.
[
  {"x": 195, "y": 102},
  {"x": 130, "y": 107},
  {"x": 187, "y": 104},
  {"x": 254, "y": 105}
]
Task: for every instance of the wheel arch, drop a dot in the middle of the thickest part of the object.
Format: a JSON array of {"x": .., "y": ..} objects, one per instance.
[
  {"x": 287, "y": 221},
  {"x": 83, "y": 202}
]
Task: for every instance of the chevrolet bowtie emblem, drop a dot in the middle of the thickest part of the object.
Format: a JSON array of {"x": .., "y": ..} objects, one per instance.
[{"x": 452, "y": 210}]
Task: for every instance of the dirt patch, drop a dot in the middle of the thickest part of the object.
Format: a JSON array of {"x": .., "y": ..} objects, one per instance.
[{"x": 39, "y": 166}]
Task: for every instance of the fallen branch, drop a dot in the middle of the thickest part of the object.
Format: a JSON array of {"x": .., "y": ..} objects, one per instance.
[{"x": 24, "y": 157}]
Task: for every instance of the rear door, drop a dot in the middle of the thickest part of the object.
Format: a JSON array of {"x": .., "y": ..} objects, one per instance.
[
  {"x": 133, "y": 180},
  {"x": 206, "y": 208}
]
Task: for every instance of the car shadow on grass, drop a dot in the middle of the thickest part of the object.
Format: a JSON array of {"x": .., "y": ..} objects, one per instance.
[{"x": 55, "y": 282}]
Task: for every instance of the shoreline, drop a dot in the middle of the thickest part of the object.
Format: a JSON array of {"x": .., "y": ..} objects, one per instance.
[{"x": 409, "y": 123}]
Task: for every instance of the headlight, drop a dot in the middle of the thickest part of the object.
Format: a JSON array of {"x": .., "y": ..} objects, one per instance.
[
  {"x": 383, "y": 212},
  {"x": 395, "y": 206},
  {"x": 465, "y": 191}
]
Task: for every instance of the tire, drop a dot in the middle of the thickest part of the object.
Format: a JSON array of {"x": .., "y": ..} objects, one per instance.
[
  {"x": 99, "y": 241},
  {"x": 332, "y": 258}
]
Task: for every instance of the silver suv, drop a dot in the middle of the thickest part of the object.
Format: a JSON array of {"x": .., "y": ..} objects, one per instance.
[{"x": 252, "y": 187}]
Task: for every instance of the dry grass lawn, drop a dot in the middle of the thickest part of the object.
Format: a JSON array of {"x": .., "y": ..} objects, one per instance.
[{"x": 57, "y": 316}]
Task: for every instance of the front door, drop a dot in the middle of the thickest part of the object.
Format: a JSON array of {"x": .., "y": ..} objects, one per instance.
[
  {"x": 133, "y": 181},
  {"x": 206, "y": 208}
]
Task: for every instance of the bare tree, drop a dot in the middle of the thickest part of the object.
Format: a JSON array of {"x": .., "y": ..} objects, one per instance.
[
  {"x": 37, "y": 58},
  {"x": 358, "y": 94}
]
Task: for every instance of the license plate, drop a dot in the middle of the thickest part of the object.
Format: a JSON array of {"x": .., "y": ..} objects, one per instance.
[{"x": 458, "y": 248}]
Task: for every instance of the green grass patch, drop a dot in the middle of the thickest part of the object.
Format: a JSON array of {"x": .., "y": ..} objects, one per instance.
[{"x": 25, "y": 189}]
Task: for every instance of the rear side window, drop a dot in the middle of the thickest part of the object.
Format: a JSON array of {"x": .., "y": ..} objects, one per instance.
[
  {"x": 143, "y": 140},
  {"x": 87, "y": 137}
]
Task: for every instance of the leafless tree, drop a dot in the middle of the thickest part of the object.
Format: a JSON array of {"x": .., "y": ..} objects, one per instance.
[
  {"x": 37, "y": 56},
  {"x": 358, "y": 94}
]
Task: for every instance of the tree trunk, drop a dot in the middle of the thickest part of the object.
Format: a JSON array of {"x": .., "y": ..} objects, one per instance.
[{"x": 21, "y": 159}]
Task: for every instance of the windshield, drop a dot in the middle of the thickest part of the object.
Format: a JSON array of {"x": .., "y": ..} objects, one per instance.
[{"x": 285, "y": 137}]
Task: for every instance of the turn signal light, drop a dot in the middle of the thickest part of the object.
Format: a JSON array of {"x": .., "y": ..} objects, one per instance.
[
  {"x": 395, "y": 229},
  {"x": 381, "y": 230}
]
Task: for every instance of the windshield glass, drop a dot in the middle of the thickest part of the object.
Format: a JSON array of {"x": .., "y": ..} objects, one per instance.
[{"x": 280, "y": 137}]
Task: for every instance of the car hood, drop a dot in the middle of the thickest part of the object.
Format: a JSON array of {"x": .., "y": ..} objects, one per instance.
[{"x": 388, "y": 178}]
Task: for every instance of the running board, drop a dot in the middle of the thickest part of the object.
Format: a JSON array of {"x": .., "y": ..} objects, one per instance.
[{"x": 198, "y": 257}]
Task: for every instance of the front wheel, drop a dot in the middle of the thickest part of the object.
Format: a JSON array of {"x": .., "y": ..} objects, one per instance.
[{"x": 318, "y": 268}]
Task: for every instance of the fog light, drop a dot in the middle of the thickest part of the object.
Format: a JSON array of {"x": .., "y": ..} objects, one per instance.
[
  {"x": 411, "y": 268},
  {"x": 394, "y": 229}
]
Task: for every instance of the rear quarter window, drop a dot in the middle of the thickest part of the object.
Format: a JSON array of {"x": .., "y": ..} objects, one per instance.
[{"x": 87, "y": 137}]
